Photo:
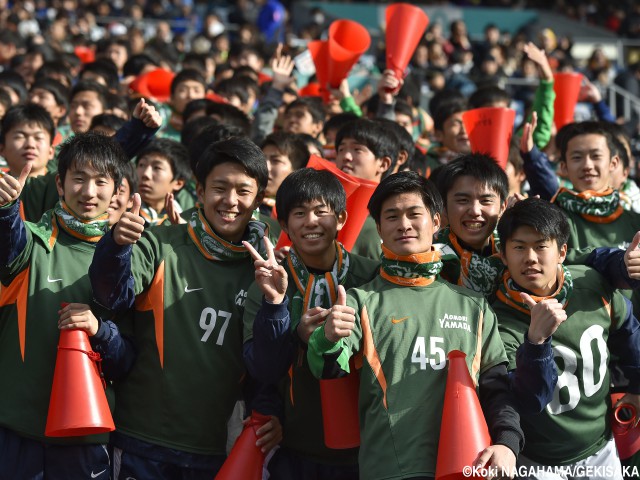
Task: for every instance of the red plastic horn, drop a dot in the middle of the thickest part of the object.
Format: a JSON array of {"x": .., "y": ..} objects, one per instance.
[
  {"x": 357, "y": 213},
  {"x": 348, "y": 40},
  {"x": 490, "y": 131},
  {"x": 566, "y": 86},
  {"x": 626, "y": 435},
  {"x": 319, "y": 50},
  {"x": 78, "y": 404},
  {"x": 245, "y": 460},
  {"x": 405, "y": 27},
  {"x": 463, "y": 431},
  {"x": 339, "y": 399}
]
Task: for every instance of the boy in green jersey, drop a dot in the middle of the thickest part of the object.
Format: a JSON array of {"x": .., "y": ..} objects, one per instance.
[
  {"x": 188, "y": 284},
  {"x": 365, "y": 149},
  {"x": 398, "y": 321},
  {"x": 538, "y": 296},
  {"x": 288, "y": 305},
  {"x": 41, "y": 266}
]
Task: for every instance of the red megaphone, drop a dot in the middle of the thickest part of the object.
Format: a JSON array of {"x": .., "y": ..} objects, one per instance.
[
  {"x": 566, "y": 86},
  {"x": 490, "y": 130},
  {"x": 340, "y": 421},
  {"x": 78, "y": 403},
  {"x": 463, "y": 431},
  {"x": 357, "y": 213},
  {"x": 622, "y": 425},
  {"x": 319, "y": 50},
  {"x": 347, "y": 41},
  {"x": 245, "y": 460},
  {"x": 405, "y": 26}
]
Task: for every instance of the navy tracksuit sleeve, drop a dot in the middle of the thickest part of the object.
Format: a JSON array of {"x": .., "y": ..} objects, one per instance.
[
  {"x": 268, "y": 354},
  {"x": 110, "y": 275},
  {"x": 541, "y": 177},
  {"x": 117, "y": 352},
  {"x": 535, "y": 376},
  {"x": 625, "y": 341},
  {"x": 13, "y": 234},
  {"x": 133, "y": 136}
]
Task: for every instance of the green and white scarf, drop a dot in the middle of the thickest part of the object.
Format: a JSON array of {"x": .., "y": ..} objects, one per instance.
[
  {"x": 470, "y": 269},
  {"x": 61, "y": 216},
  {"x": 596, "y": 207},
  {"x": 315, "y": 290},
  {"x": 417, "y": 270},
  {"x": 213, "y": 247},
  {"x": 509, "y": 292}
]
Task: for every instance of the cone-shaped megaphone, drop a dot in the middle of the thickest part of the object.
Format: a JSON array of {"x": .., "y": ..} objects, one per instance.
[
  {"x": 463, "y": 431},
  {"x": 339, "y": 397},
  {"x": 489, "y": 131},
  {"x": 245, "y": 459},
  {"x": 622, "y": 425},
  {"x": 78, "y": 404},
  {"x": 405, "y": 27},
  {"x": 566, "y": 85}
]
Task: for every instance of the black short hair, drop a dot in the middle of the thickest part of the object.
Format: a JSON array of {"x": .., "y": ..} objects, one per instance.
[
  {"x": 404, "y": 138},
  {"x": 381, "y": 141},
  {"x": 619, "y": 138},
  {"x": 15, "y": 82},
  {"x": 338, "y": 120},
  {"x": 90, "y": 86},
  {"x": 405, "y": 182},
  {"x": 174, "y": 152},
  {"x": 290, "y": 145},
  {"x": 229, "y": 115},
  {"x": 55, "y": 69},
  {"x": 25, "y": 114},
  {"x": 313, "y": 105},
  {"x": 239, "y": 87},
  {"x": 188, "y": 74},
  {"x": 107, "y": 120},
  {"x": 135, "y": 64},
  {"x": 238, "y": 150},
  {"x": 306, "y": 185},
  {"x": 103, "y": 68},
  {"x": 129, "y": 173},
  {"x": 573, "y": 130},
  {"x": 310, "y": 141},
  {"x": 446, "y": 109},
  {"x": 192, "y": 129},
  {"x": 208, "y": 135},
  {"x": 5, "y": 99},
  {"x": 93, "y": 149},
  {"x": 481, "y": 167},
  {"x": 193, "y": 106},
  {"x": 487, "y": 96},
  {"x": 544, "y": 217},
  {"x": 58, "y": 90}
]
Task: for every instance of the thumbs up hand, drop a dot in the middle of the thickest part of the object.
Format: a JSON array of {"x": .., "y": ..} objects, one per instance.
[
  {"x": 11, "y": 188},
  {"x": 131, "y": 225},
  {"x": 632, "y": 258},
  {"x": 341, "y": 319},
  {"x": 546, "y": 317}
]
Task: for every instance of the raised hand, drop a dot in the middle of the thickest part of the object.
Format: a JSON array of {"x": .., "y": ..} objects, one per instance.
[
  {"x": 526, "y": 141},
  {"x": 78, "y": 316},
  {"x": 147, "y": 114},
  {"x": 172, "y": 213},
  {"x": 129, "y": 228},
  {"x": 546, "y": 317},
  {"x": 271, "y": 277},
  {"x": 11, "y": 188},
  {"x": 632, "y": 258},
  {"x": 538, "y": 56},
  {"x": 282, "y": 67},
  {"x": 589, "y": 92},
  {"x": 341, "y": 319},
  {"x": 389, "y": 86}
]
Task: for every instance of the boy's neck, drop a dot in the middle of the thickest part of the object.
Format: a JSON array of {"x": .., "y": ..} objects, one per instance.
[
  {"x": 158, "y": 206},
  {"x": 323, "y": 262}
]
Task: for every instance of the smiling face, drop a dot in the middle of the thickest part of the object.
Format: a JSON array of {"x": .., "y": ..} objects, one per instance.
[
  {"x": 453, "y": 134},
  {"x": 533, "y": 260},
  {"x": 229, "y": 197},
  {"x": 312, "y": 228},
  {"x": 356, "y": 159},
  {"x": 87, "y": 192},
  {"x": 473, "y": 211},
  {"x": 27, "y": 143},
  {"x": 588, "y": 162},
  {"x": 406, "y": 226}
]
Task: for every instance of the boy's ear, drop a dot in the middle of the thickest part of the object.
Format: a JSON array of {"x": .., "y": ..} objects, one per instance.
[
  {"x": 52, "y": 152},
  {"x": 342, "y": 220},
  {"x": 614, "y": 163},
  {"x": 385, "y": 164},
  {"x": 437, "y": 134},
  {"x": 562, "y": 253},
  {"x": 259, "y": 199},
  {"x": 436, "y": 223},
  {"x": 562, "y": 168},
  {"x": 59, "y": 186},
  {"x": 317, "y": 128},
  {"x": 178, "y": 184},
  {"x": 200, "y": 192}
]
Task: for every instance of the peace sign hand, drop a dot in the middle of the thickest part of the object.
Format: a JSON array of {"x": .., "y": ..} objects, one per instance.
[{"x": 271, "y": 277}]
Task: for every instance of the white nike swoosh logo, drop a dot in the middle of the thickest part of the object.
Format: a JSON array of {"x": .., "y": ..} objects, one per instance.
[
  {"x": 188, "y": 290},
  {"x": 96, "y": 475},
  {"x": 53, "y": 280}
]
